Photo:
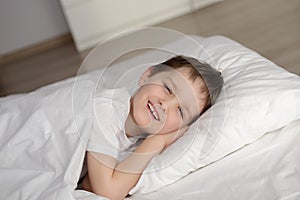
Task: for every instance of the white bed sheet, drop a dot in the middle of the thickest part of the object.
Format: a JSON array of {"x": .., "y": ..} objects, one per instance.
[
  {"x": 266, "y": 169},
  {"x": 41, "y": 154}
]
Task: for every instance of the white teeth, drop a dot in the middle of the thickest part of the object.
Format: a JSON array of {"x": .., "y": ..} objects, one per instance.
[{"x": 153, "y": 111}]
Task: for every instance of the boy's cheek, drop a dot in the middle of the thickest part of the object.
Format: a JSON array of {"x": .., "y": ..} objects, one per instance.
[{"x": 170, "y": 127}]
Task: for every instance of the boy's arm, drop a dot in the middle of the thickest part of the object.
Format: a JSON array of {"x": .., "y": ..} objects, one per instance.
[{"x": 114, "y": 180}]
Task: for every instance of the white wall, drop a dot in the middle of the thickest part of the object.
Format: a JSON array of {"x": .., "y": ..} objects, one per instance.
[
  {"x": 27, "y": 22},
  {"x": 94, "y": 20}
]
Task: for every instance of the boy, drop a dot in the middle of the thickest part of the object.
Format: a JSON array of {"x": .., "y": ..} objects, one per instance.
[{"x": 171, "y": 96}]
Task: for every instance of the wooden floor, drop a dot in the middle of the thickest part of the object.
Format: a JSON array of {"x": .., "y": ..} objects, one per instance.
[{"x": 270, "y": 27}]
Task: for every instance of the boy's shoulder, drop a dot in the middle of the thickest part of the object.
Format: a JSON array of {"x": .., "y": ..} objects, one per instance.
[
  {"x": 115, "y": 95},
  {"x": 113, "y": 104}
]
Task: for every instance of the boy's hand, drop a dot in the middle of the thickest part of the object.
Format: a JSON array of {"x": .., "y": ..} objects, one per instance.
[
  {"x": 170, "y": 138},
  {"x": 105, "y": 180}
]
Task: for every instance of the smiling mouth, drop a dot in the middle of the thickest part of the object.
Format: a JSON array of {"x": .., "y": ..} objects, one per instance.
[{"x": 153, "y": 111}]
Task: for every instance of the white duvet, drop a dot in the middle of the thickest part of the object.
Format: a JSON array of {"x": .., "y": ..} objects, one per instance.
[{"x": 40, "y": 151}]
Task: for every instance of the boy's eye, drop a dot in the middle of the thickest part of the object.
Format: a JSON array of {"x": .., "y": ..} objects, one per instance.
[
  {"x": 181, "y": 112},
  {"x": 168, "y": 89}
]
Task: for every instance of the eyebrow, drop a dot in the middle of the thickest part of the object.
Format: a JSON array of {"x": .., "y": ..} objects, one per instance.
[{"x": 188, "y": 110}]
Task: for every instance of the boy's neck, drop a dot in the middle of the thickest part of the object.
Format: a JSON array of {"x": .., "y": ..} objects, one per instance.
[{"x": 131, "y": 128}]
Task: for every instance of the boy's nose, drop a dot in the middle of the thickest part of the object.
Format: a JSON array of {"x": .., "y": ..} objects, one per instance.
[{"x": 170, "y": 102}]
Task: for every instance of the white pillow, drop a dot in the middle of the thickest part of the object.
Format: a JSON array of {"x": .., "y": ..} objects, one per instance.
[{"x": 258, "y": 97}]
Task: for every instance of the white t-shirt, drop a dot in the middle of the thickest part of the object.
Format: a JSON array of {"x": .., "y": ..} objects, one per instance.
[{"x": 108, "y": 136}]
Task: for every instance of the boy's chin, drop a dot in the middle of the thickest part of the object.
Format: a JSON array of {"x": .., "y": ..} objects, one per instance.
[{"x": 153, "y": 130}]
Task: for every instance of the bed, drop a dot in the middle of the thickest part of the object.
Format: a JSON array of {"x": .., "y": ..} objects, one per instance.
[{"x": 43, "y": 133}]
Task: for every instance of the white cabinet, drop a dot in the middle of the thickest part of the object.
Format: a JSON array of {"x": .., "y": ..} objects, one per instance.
[{"x": 91, "y": 21}]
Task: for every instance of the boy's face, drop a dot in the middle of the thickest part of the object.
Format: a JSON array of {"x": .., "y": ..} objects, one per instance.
[{"x": 166, "y": 101}]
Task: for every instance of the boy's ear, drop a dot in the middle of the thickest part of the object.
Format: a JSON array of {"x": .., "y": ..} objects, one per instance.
[{"x": 145, "y": 76}]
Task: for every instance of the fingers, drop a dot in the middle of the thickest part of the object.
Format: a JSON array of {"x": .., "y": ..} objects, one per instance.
[{"x": 181, "y": 131}]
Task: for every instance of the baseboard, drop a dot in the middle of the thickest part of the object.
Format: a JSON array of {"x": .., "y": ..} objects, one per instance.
[{"x": 36, "y": 48}]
